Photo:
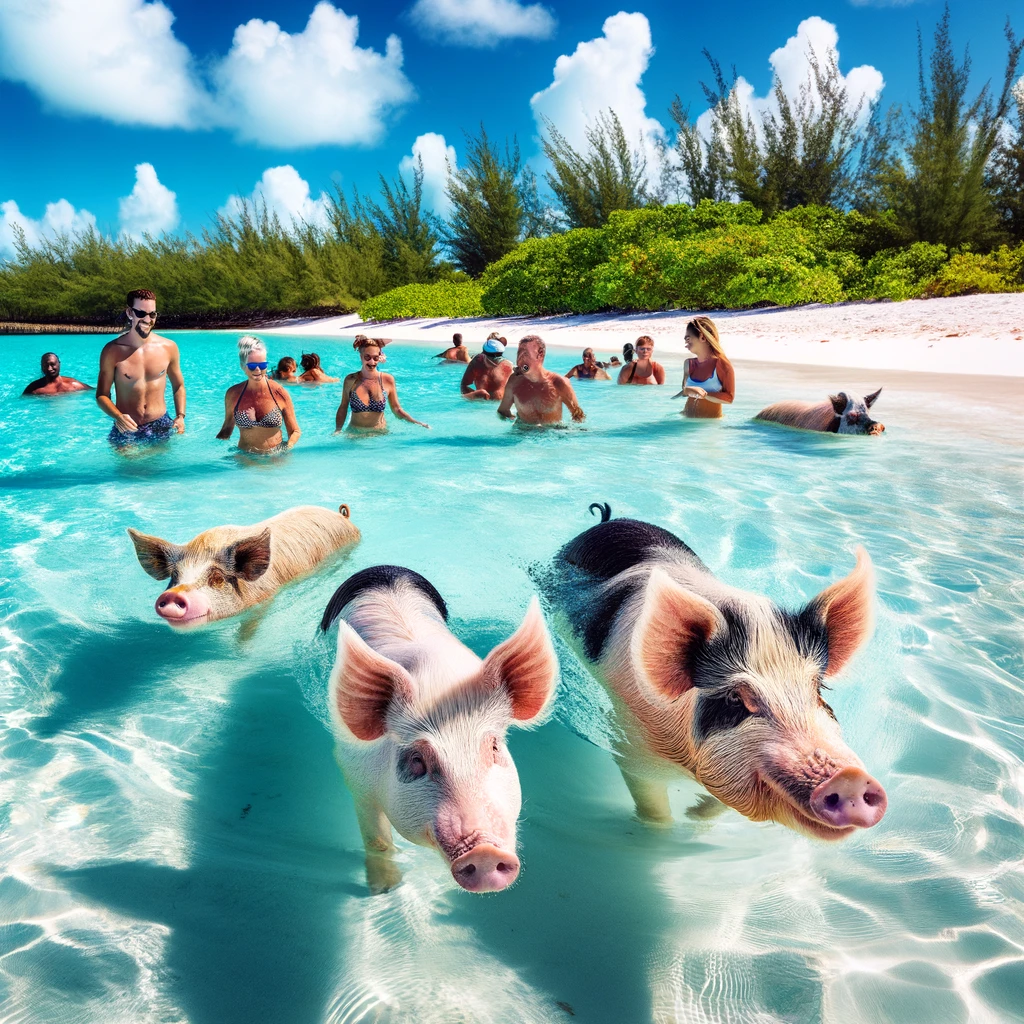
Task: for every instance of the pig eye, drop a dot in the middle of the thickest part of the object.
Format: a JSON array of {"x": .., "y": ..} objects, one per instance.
[
  {"x": 411, "y": 766},
  {"x": 215, "y": 578}
]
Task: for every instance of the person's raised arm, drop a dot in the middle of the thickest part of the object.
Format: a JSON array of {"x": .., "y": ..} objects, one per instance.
[
  {"x": 569, "y": 398},
  {"x": 393, "y": 402},
  {"x": 228, "y": 426},
  {"x": 174, "y": 375},
  {"x": 507, "y": 398},
  {"x": 108, "y": 360},
  {"x": 339, "y": 416},
  {"x": 291, "y": 424}
]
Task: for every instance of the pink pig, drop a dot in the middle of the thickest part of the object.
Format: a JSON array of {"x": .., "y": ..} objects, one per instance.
[
  {"x": 719, "y": 683},
  {"x": 420, "y": 725}
]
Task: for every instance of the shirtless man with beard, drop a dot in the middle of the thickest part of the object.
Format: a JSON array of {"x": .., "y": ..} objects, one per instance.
[
  {"x": 537, "y": 394},
  {"x": 487, "y": 373},
  {"x": 138, "y": 365}
]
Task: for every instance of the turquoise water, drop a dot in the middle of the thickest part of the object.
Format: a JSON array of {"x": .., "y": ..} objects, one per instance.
[{"x": 176, "y": 840}]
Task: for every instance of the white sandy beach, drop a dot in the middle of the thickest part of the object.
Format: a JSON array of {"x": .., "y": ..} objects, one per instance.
[{"x": 980, "y": 335}]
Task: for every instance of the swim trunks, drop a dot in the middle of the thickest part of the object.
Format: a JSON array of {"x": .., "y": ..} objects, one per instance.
[{"x": 155, "y": 430}]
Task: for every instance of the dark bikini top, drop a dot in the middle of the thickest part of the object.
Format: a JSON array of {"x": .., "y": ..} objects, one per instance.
[
  {"x": 271, "y": 419},
  {"x": 356, "y": 404}
]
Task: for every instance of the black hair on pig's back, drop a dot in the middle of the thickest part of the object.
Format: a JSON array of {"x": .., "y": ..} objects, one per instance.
[
  {"x": 605, "y": 550},
  {"x": 380, "y": 577}
]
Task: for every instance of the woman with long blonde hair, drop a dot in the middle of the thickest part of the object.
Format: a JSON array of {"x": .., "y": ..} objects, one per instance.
[{"x": 708, "y": 378}]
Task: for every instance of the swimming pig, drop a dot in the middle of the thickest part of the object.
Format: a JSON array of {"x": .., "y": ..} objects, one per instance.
[
  {"x": 420, "y": 725},
  {"x": 227, "y": 569},
  {"x": 844, "y": 413},
  {"x": 719, "y": 683}
]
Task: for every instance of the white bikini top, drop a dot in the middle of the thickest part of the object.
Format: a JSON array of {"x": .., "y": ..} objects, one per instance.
[{"x": 709, "y": 385}]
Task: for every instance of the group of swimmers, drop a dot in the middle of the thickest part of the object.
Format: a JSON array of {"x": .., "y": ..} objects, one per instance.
[{"x": 138, "y": 364}]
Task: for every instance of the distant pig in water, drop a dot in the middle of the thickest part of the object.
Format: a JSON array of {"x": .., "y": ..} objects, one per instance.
[
  {"x": 420, "y": 725},
  {"x": 717, "y": 682},
  {"x": 227, "y": 569},
  {"x": 844, "y": 413}
]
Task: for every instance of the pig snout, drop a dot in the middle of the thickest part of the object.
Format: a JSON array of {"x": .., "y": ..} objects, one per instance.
[
  {"x": 486, "y": 869},
  {"x": 849, "y": 798},
  {"x": 876, "y": 428},
  {"x": 180, "y": 607}
]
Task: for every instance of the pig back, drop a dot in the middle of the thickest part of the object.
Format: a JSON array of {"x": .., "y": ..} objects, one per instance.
[
  {"x": 301, "y": 538},
  {"x": 820, "y": 416}
]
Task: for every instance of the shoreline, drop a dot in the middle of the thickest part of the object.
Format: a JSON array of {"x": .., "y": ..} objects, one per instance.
[{"x": 973, "y": 335}]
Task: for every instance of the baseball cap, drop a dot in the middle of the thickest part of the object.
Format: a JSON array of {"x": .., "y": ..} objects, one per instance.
[{"x": 493, "y": 347}]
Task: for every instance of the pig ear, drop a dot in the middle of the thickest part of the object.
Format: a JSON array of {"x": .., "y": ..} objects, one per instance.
[
  {"x": 847, "y": 608},
  {"x": 673, "y": 623},
  {"x": 525, "y": 665},
  {"x": 364, "y": 685},
  {"x": 869, "y": 400},
  {"x": 838, "y": 402},
  {"x": 250, "y": 557},
  {"x": 156, "y": 556}
]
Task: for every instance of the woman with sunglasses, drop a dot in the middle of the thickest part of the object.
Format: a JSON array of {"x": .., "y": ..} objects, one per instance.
[
  {"x": 709, "y": 381},
  {"x": 368, "y": 391},
  {"x": 259, "y": 407},
  {"x": 643, "y": 369}
]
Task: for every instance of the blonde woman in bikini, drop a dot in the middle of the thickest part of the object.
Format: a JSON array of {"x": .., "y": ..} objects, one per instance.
[
  {"x": 643, "y": 369},
  {"x": 708, "y": 378},
  {"x": 259, "y": 406},
  {"x": 368, "y": 392}
]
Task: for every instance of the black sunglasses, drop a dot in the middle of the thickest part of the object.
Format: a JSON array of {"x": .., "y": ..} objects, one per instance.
[{"x": 142, "y": 313}]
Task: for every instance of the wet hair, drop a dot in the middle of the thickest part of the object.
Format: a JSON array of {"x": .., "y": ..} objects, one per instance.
[
  {"x": 644, "y": 339},
  {"x": 45, "y": 356},
  {"x": 247, "y": 344},
  {"x": 627, "y": 352},
  {"x": 310, "y": 361},
  {"x": 537, "y": 340},
  {"x": 285, "y": 365},
  {"x": 138, "y": 293},
  {"x": 456, "y": 340}
]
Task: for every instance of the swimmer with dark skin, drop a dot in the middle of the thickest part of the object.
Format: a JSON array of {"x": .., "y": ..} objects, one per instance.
[
  {"x": 51, "y": 382},
  {"x": 487, "y": 374},
  {"x": 537, "y": 394},
  {"x": 458, "y": 353}
]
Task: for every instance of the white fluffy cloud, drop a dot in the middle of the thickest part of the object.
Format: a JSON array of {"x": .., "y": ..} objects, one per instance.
[
  {"x": 59, "y": 218},
  {"x": 151, "y": 208},
  {"x": 604, "y": 73},
  {"x": 120, "y": 60},
  {"x": 310, "y": 88},
  {"x": 791, "y": 66},
  {"x": 117, "y": 59},
  {"x": 284, "y": 192},
  {"x": 482, "y": 22},
  {"x": 437, "y": 156}
]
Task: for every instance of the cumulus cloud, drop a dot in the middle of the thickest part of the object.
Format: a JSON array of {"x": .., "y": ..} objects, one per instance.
[
  {"x": 151, "y": 208},
  {"x": 602, "y": 73},
  {"x": 59, "y": 218},
  {"x": 481, "y": 22},
  {"x": 310, "y": 88},
  {"x": 791, "y": 65},
  {"x": 285, "y": 193},
  {"x": 437, "y": 156},
  {"x": 120, "y": 60},
  {"x": 117, "y": 59}
]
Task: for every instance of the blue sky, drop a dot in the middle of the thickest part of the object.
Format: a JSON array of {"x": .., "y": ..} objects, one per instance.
[{"x": 107, "y": 107}]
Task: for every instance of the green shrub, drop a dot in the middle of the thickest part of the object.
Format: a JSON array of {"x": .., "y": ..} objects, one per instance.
[
  {"x": 546, "y": 275},
  {"x": 445, "y": 298},
  {"x": 900, "y": 273},
  {"x": 642, "y": 227},
  {"x": 970, "y": 273}
]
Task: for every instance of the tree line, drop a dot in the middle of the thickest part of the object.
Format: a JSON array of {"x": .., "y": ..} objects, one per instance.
[{"x": 948, "y": 172}]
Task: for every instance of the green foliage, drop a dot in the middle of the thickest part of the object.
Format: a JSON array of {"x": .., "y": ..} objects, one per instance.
[
  {"x": 444, "y": 299},
  {"x": 969, "y": 273},
  {"x": 547, "y": 275},
  {"x": 900, "y": 273},
  {"x": 609, "y": 176},
  {"x": 489, "y": 214},
  {"x": 1006, "y": 173},
  {"x": 940, "y": 191}
]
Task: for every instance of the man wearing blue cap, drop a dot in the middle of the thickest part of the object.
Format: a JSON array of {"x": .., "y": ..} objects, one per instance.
[{"x": 488, "y": 373}]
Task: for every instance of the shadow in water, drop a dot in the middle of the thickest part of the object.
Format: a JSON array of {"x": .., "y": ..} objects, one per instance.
[
  {"x": 254, "y": 919},
  {"x": 809, "y": 443},
  {"x": 106, "y": 669}
]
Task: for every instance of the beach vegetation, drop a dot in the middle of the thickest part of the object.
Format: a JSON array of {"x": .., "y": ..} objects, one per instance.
[{"x": 441, "y": 299}]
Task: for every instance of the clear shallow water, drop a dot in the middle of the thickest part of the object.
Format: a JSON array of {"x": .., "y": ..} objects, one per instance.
[{"x": 176, "y": 842}]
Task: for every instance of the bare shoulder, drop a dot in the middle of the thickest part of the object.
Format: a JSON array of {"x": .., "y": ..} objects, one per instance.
[{"x": 116, "y": 350}]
